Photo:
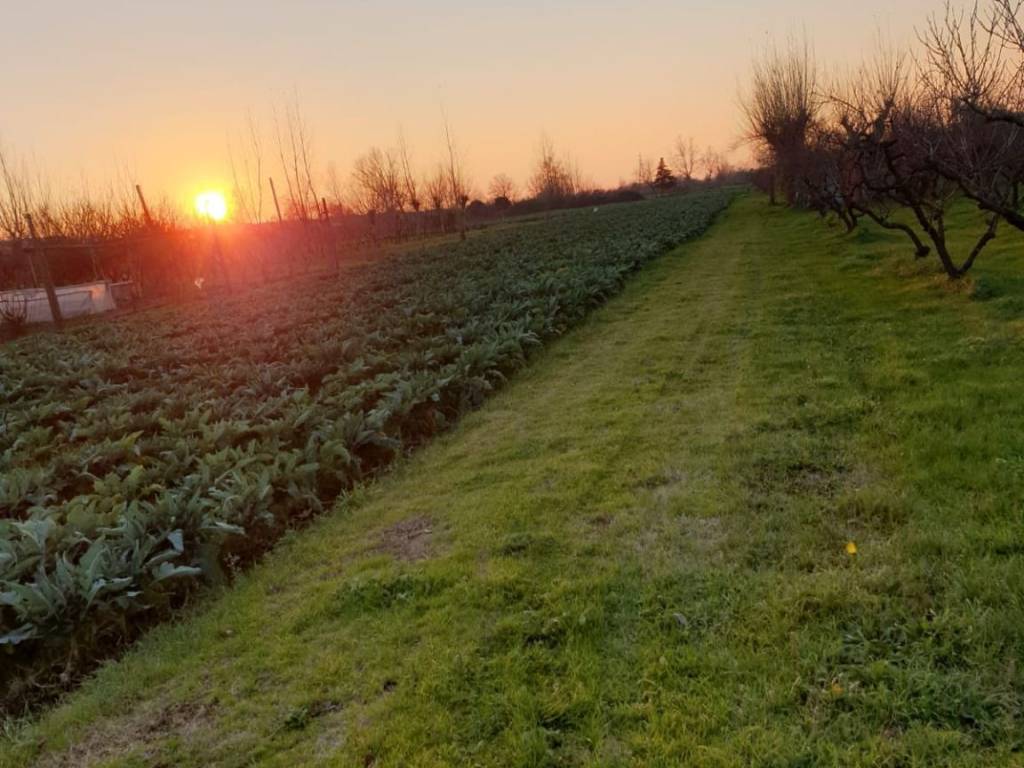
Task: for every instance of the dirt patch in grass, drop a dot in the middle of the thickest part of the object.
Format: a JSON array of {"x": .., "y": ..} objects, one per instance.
[
  {"x": 798, "y": 478},
  {"x": 332, "y": 736},
  {"x": 137, "y": 734},
  {"x": 674, "y": 542},
  {"x": 669, "y": 477},
  {"x": 410, "y": 540}
]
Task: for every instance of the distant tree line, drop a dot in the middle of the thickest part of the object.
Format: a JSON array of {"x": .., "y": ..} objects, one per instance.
[
  {"x": 685, "y": 167},
  {"x": 289, "y": 216},
  {"x": 906, "y": 135}
]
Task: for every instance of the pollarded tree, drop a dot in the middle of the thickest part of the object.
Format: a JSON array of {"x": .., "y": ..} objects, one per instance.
[
  {"x": 437, "y": 189},
  {"x": 780, "y": 110}
]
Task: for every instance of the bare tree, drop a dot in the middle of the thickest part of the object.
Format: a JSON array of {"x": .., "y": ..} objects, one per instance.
[
  {"x": 457, "y": 186},
  {"x": 502, "y": 186},
  {"x": 86, "y": 216},
  {"x": 455, "y": 176},
  {"x": 904, "y": 139},
  {"x": 436, "y": 187},
  {"x": 1006, "y": 19},
  {"x": 893, "y": 133},
  {"x": 410, "y": 185},
  {"x": 554, "y": 180},
  {"x": 715, "y": 164},
  {"x": 686, "y": 158},
  {"x": 827, "y": 180},
  {"x": 247, "y": 171},
  {"x": 971, "y": 76},
  {"x": 22, "y": 191},
  {"x": 335, "y": 188},
  {"x": 644, "y": 171},
  {"x": 780, "y": 110},
  {"x": 966, "y": 61},
  {"x": 295, "y": 153},
  {"x": 378, "y": 182},
  {"x": 576, "y": 178},
  {"x": 847, "y": 174}
]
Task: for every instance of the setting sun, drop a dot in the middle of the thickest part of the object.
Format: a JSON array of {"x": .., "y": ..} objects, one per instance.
[{"x": 211, "y": 205}]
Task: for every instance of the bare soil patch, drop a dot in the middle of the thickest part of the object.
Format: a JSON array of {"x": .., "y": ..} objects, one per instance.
[{"x": 409, "y": 540}]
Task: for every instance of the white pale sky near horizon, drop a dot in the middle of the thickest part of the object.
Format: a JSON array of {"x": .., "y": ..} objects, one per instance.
[{"x": 96, "y": 91}]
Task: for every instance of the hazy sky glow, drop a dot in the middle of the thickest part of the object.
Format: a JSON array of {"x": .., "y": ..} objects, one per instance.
[{"x": 156, "y": 87}]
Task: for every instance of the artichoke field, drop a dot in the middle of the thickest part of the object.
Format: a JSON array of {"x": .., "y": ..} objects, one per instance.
[{"x": 144, "y": 456}]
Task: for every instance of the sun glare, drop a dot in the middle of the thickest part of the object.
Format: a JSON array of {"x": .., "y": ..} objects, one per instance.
[{"x": 211, "y": 205}]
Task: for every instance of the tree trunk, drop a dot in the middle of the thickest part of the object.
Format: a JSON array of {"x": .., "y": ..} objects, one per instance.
[{"x": 920, "y": 249}]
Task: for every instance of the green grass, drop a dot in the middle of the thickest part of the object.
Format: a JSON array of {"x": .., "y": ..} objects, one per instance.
[{"x": 636, "y": 553}]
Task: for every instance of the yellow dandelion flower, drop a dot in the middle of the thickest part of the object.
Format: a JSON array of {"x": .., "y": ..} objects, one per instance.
[{"x": 851, "y": 548}]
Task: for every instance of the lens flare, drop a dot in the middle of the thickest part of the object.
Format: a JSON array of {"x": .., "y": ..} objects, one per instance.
[{"x": 211, "y": 205}]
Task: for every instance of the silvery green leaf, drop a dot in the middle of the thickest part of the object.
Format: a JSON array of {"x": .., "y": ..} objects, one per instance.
[
  {"x": 219, "y": 526},
  {"x": 92, "y": 555},
  {"x": 19, "y": 635},
  {"x": 177, "y": 540},
  {"x": 38, "y": 530},
  {"x": 167, "y": 571}
]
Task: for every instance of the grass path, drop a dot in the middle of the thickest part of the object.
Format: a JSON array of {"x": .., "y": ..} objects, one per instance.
[{"x": 636, "y": 554}]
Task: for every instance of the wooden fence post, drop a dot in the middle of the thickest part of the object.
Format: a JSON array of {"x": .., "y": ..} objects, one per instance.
[
  {"x": 145, "y": 208},
  {"x": 150, "y": 229},
  {"x": 42, "y": 259},
  {"x": 277, "y": 205},
  {"x": 30, "y": 258}
]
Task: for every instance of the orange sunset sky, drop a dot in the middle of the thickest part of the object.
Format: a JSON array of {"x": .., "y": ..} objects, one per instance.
[{"x": 153, "y": 89}]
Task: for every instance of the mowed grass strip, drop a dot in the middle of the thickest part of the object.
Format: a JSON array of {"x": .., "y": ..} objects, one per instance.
[{"x": 639, "y": 553}]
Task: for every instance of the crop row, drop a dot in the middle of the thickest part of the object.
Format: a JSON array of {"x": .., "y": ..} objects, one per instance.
[{"x": 144, "y": 456}]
